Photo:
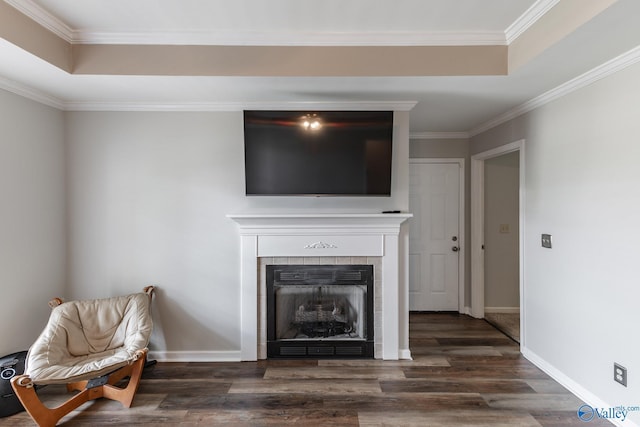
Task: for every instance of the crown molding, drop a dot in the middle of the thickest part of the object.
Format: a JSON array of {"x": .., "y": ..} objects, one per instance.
[
  {"x": 152, "y": 106},
  {"x": 239, "y": 106},
  {"x": 608, "y": 68},
  {"x": 43, "y": 98},
  {"x": 292, "y": 38},
  {"x": 44, "y": 18},
  {"x": 438, "y": 135},
  {"x": 528, "y": 18},
  {"x": 31, "y": 93}
]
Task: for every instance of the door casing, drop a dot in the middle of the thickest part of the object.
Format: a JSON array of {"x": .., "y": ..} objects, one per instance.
[{"x": 477, "y": 229}]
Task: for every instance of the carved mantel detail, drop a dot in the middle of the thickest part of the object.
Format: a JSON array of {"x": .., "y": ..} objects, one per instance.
[{"x": 320, "y": 245}]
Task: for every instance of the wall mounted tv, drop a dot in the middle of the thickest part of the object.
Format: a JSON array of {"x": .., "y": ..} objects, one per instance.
[{"x": 319, "y": 153}]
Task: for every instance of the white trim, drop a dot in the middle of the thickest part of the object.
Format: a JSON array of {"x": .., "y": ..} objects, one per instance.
[
  {"x": 459, "y": 160},
  {"x": 502, "y": 310},
  {"x": 148, "y": 106},
  {"x": 608, "y": 68},
  {"x": 195, "y": 356},
  {"x": 239, "y": 106},
  {"x": 30, "y": 93},
  {"x": 249, "y": 297},
  {"x": 461, "y": 222},
  {"x": 390, "y": 298},
  {"x": 439, "y": 135},
  {"x": 528, "y": 18},
  {"x": 292, "y": 38},
  {"x": 477, "y": 230},
  {"x": 405, "y": 354},
  {"x": 575, "y": 388}
]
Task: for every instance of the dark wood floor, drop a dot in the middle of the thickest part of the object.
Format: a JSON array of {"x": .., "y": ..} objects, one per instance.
[{"x": 464, "y": 373}]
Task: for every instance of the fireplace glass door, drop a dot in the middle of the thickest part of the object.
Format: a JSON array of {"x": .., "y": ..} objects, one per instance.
[{"x": 319, "y": 310}]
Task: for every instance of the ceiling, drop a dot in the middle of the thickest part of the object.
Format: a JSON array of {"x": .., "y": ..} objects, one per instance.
[{"x": 456, "y": 103}]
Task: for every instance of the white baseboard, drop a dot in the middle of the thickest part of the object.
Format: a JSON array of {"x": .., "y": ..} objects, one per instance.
[
  {"x": 502, "y": 310},
  {"x": 575, "y": 388},
  {"x": 195, "y": 356},
  {"x": 221, "y": 356},
  {"x": 405, "y": 354}
]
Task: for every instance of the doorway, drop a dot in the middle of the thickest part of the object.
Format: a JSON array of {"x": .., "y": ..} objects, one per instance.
[
  {"x": 485, "y": 261},
  {"x": 436, "y": 236},
  {"x": 501, "y": 250}
]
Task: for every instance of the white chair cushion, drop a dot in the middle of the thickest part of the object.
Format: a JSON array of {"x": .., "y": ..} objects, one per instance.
[{"x": 88, "y": 339}]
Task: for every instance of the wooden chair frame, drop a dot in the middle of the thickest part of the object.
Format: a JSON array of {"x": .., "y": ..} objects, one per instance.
[{"x": 48, "y": 417}]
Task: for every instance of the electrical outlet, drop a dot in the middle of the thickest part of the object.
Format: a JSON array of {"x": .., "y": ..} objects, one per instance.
[
  {"x": 546, "y": 241},
  {"x": 504, "y": 228},
  {"x": 620, "y": 374}
]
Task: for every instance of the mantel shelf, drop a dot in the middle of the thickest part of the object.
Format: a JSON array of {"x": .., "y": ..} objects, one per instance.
[{"x": 319, "y": 220}]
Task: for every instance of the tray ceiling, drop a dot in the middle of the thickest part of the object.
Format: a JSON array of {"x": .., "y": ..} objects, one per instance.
[{"x": 141, "y": 75}]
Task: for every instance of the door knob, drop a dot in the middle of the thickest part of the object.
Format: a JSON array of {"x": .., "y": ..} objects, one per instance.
[{"x": 455, "y": 249}]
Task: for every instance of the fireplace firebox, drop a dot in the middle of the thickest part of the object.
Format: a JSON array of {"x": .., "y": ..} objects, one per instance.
[{"x": 317, "y": 311}]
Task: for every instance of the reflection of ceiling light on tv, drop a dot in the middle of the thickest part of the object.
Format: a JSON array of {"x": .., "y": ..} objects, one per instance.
[{"x": 311, "y": 122}]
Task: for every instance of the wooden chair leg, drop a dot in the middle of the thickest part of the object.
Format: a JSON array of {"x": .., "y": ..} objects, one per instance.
[
  {"x": 125, "y": 395},
  {"x": 42, "y": 415}
]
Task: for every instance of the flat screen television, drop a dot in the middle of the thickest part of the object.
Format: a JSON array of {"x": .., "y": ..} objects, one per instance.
[{"x": 320, "y": 153}]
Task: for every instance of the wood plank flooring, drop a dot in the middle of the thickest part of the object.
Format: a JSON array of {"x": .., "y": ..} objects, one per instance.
[{"x": 465, "y": 373}]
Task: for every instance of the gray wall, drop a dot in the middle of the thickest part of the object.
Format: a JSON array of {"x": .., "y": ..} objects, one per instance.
[
  {"x": 103, "y": 203},
  {"x": 501, "y": 254},
  {"x": 32, "y": 218},
  {"x": 439, "y": 148},
  {"x": 148, "y": 199},
  {"x": 581, "y": 186},
  {"x": 148, "y": 195}
]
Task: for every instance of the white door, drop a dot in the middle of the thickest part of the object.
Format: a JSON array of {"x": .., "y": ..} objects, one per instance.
[{"x": 434, "y": 248}]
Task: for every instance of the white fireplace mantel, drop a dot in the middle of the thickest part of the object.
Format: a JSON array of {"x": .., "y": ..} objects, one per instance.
[{"x": 323, "y": 235}]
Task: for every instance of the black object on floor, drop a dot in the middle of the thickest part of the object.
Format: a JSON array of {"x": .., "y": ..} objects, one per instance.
[{"x": 10, "y": 366}]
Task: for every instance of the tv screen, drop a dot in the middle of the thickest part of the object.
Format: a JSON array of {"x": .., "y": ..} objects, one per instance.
[{"x": 323, "y": 153}]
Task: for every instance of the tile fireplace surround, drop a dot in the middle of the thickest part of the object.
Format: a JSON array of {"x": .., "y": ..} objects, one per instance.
[{"x": 309, "y": 238}]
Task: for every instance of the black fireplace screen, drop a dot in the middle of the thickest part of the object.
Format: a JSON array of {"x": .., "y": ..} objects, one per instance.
[{"x": 319, "y": 310}]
